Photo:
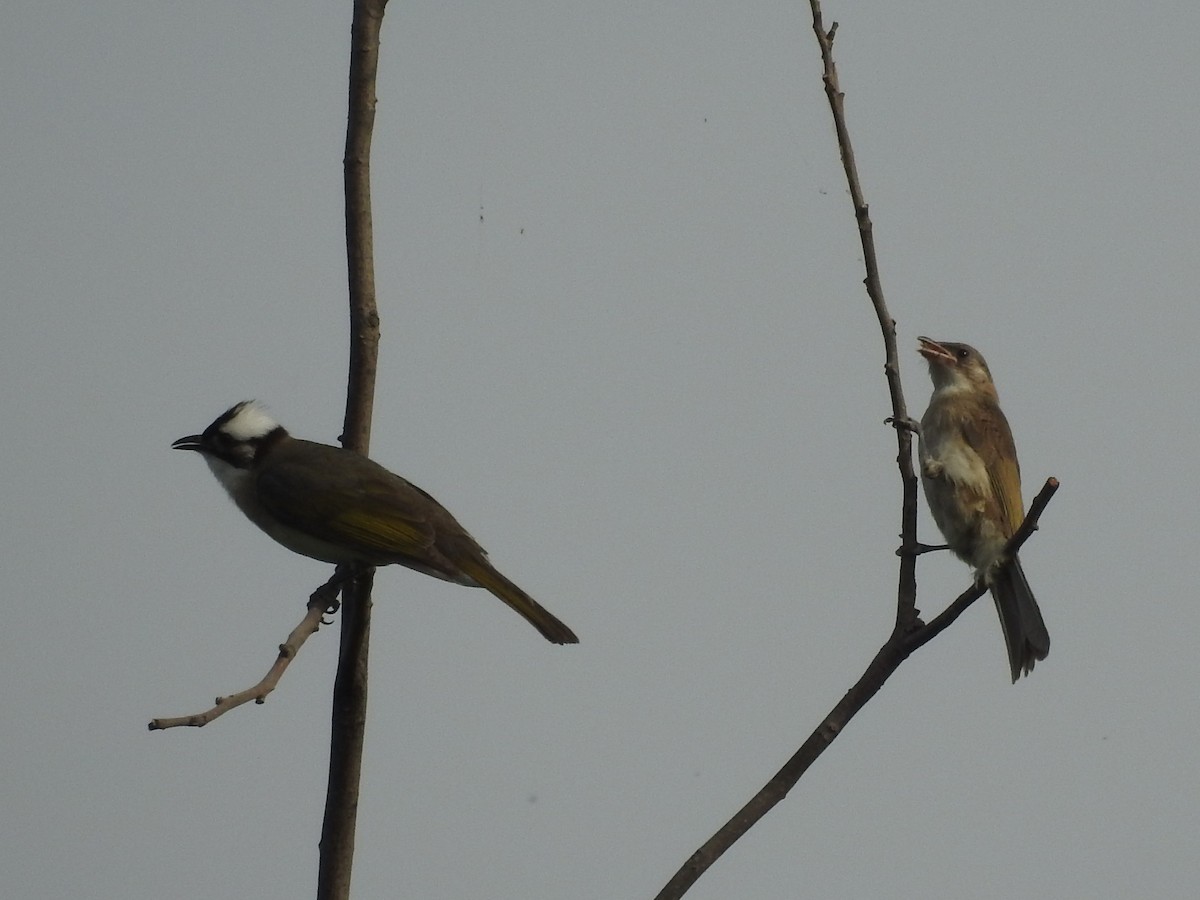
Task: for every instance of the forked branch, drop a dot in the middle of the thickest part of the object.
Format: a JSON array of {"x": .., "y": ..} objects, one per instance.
[{"x": 908, "y": 632}]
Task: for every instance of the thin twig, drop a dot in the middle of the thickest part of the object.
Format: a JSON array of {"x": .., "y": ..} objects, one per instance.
[
  {"x": 906, "y": 609},
  {"x": 323, "y": 600}
]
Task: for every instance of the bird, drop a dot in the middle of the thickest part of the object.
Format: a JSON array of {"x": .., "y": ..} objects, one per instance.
[
  {"x": 972, "y": 483},
  {"x": 338, "y": 506}
]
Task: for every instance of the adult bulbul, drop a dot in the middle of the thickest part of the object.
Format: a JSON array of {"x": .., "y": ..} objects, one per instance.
[
  {"x": 338, "y": 506},
  {"x": 973, "y": 486}
]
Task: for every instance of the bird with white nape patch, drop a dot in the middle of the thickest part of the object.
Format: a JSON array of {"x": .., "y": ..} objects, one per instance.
[{"x": 337, "y": 506}]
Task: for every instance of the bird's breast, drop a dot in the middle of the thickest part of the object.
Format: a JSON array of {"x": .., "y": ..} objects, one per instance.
[
  {"x": 239, "y": 483},
  {"x": 957, "y": 485},
  {"x": 946, "y": 455}
]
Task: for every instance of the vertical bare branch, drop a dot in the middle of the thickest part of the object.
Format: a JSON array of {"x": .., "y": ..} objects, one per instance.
[
  {"x": 906, "y": 610},
  {"x": 885, "y": 662},
  {"x": 360, "y": 258},
  {"x": 349, "y": 712},
  {"x": 895, "y": 650}
]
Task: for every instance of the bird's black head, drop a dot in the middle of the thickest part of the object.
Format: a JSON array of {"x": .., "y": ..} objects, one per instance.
[{"x": 236, "y": 437}]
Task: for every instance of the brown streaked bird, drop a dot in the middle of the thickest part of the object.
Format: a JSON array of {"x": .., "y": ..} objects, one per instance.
[
  {"x": 337, "y": 506},
  {"x": 973, "y": 485}
]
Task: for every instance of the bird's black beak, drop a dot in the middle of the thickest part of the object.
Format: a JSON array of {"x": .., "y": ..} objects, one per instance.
[{"x": 191, "y": 442}]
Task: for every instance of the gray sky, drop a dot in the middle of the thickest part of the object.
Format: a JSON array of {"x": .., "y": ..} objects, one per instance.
[{"x": 626, "y": 343}]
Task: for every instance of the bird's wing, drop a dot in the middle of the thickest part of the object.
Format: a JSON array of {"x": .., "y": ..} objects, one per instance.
[
  {"x": 987, "y": 431},
  {"x": 368, "y": 509}
]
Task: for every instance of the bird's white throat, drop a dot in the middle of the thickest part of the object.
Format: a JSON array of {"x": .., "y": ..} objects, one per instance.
[{"x": 233, "y": 479}]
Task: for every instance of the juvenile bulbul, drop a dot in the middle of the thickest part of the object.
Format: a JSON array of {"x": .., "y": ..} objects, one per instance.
[
  {"x": 339, "y": 507},
  {"x": 973, "y": 486}
]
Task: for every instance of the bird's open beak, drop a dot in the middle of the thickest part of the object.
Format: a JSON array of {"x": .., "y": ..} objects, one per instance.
[
  {"x": 933, "y": 351},
  {"x": 191, "y": 442}
]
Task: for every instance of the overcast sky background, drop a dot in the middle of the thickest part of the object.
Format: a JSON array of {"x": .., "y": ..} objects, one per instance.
[{"x": 625, "y": 341}]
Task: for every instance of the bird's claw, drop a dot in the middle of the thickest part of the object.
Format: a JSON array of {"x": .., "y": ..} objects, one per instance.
[
  {"x": 906, "y": 423},
  {"x": 918, "y": 549}
]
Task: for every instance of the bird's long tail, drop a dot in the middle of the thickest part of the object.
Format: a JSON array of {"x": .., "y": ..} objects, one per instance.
[
  {"x": 1025, "y": 633},
  {"x": 482, "y": 573}
]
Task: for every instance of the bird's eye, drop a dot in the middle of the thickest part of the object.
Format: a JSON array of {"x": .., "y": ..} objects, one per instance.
[{"x": 963, "y": 353}]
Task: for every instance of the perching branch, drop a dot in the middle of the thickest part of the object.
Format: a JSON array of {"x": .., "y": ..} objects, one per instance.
[
  {"x": 349, "y": 714},
  {"x": 908, "y": 632},
  {"x": 323, "y": 600},
  {"x": 906, "y": 607},
  {"x": 906, "y": 610},
  {"x": 946, "y": 618}
]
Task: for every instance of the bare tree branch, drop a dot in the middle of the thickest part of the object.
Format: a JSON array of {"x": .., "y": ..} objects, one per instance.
[
  {"x": 899, "y": 646},
  {"x": 908, "y": 633},
  {"x": 943, "y": 620},
  {"x": 349, "y": 713},
  {"x": 323, "y": 599}
]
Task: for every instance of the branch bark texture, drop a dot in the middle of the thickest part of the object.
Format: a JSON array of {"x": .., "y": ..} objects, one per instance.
[{"x": 349, "y": 713}]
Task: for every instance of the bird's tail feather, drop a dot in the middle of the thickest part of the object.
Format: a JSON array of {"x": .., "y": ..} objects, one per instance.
[
  {"x": 482, "y": 573},
  {"x": 1025, "y": 632}
]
